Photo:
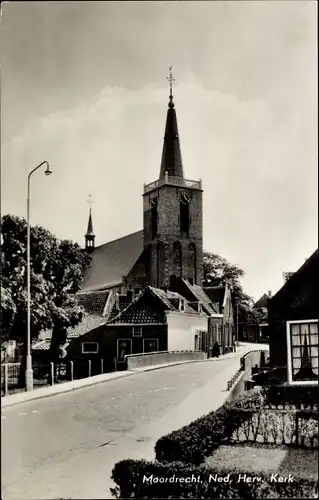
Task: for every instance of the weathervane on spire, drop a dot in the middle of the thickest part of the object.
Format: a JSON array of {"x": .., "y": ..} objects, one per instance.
[
  {"x": 90, "y": 201},
  {"x": 171, "y": 79}
]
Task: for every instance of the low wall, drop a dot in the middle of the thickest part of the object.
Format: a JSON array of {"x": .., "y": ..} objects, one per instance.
[
  {"x": 248, "y": 361},
  {"x": 253, "y": 358},
  {"x": 159, "y": 358},
  {"x": 237, "y": 388}
]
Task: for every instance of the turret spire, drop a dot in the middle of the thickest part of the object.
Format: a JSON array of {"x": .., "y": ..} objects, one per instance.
[
  {"x": 90, "y": 236},
  {"x": 171, "y": 156}
]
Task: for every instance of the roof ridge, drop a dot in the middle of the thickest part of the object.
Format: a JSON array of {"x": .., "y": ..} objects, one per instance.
[
  {"x": 118, "y": 239},
  {"x": 154, "y": 291},
  {"x": 127, "y": 307}
]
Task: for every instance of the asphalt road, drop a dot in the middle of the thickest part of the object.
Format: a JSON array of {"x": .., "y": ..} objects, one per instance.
[{"x": 65, "y": 444}]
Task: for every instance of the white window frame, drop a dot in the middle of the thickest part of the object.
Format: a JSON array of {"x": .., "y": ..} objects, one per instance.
[
  {"x": 289, "y": 357},
  {"x": 117, "y": 349},
  {"x": 90, "y": 352},
  {"x": 157, "y": 345},
  {"x": 137, "y": 328}
]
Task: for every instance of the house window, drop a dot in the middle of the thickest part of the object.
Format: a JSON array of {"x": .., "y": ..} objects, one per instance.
[
  {"x": 302, "y": 344},
  {"x": 198, "y": 341},
  {"x": 124, "y": 347},
  {"x": 150, "y": 345},
  {"x": 90, "y": 347},
  {"x": 182, "y": 305},
  {"x": 137, "y": 331},
  {"x": 219, "y": 334}
]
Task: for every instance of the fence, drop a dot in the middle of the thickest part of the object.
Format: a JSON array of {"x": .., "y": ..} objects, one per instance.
[
  {"x": 278, "y": 427},
  {"x": 49, "y": 374}
]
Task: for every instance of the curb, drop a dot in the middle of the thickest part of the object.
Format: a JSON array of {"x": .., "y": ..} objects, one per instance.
[
  {"x": 15, "y": 399},
  {"x": 34, "y": 395}
]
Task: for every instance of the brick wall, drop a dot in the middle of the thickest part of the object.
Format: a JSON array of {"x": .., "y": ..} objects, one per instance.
[{"x": 168, "y": 202}]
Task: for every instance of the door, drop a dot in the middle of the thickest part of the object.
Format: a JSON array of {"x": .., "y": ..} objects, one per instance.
[{"x": 124, "y": 347}]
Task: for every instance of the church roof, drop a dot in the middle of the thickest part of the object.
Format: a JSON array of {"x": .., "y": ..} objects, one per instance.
[
  {"x": 171, "y": 156},
  {"x": 111, "y": 261}
]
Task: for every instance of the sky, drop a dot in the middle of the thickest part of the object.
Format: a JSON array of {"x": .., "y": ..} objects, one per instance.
[{"x": 83, "y": 86}]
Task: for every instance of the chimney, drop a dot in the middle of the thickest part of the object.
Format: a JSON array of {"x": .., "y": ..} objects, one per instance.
[{"x": 269, "y": 294}]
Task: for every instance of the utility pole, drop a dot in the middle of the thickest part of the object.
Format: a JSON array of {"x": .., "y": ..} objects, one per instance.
[{"x": 237, "y": 323}]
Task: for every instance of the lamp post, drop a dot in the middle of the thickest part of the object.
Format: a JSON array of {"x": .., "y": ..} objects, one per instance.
[{"x": 29, "y": 371}]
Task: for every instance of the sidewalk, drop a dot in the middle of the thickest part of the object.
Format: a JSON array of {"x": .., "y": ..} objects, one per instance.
[{"x": 45, "y": 392}]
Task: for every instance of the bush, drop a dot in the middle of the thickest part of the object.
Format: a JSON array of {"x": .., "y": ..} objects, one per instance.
[
  {"x": 168, "y": 481},
  {"x": 194, "y": 442}
]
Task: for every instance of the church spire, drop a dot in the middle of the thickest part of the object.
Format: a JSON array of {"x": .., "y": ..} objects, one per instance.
[
  {"x": 171, "y": 156},
  {"x": 90, "y": 236}
]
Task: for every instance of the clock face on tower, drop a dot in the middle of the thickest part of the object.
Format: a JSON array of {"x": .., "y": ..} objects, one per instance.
[{"x": 185, "y": 197}]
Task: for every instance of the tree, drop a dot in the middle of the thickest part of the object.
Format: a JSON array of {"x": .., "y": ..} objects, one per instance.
[
  {"x": 56, "y": 274},
  {"x": 216, "y": 272}
]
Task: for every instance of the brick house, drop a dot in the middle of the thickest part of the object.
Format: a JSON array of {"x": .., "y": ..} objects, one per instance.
[
  {"x": 154, "y": 320},
  {"x": 293, "y": 326}
]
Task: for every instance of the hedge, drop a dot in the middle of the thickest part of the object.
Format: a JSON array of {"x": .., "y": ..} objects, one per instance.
[
  {"x": 292, "y": 395},
  {"x": 142, "y": 479},
  {"x": 194, "y": 442}
]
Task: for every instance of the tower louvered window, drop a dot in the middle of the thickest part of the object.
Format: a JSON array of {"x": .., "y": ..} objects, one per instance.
[
  {"x": 154, "y": 216},
  {"x": 177, "y": 259},
  {"x": 185, "y": 200}
]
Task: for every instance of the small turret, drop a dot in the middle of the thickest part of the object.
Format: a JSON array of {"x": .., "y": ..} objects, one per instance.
[{"x": 90, "y": 236}]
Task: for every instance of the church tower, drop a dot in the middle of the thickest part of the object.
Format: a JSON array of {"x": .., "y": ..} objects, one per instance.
[
  {"x": 173, "y": 215},
  {"x": 90, "y": 236}
]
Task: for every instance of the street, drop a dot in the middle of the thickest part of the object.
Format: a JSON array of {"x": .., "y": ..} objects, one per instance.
[{"x": 66, "y": 445}]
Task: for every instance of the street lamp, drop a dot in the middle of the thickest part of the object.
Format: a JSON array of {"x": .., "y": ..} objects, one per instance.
[{"x": 29, "y": 371}]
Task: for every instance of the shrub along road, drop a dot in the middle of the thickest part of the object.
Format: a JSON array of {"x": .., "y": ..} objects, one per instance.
[{"x": 66, "y": 445}]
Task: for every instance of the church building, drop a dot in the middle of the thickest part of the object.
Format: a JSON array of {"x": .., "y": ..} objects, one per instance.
[{"x": 143, "y": 292}]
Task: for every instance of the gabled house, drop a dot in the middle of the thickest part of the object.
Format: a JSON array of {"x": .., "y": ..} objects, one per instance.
[
  {"x": 260, "y": 309},
  {"x": 155, "y": 320},
  {"x": 221, "y": 324},
  {"x": 293, "y": 326}
]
